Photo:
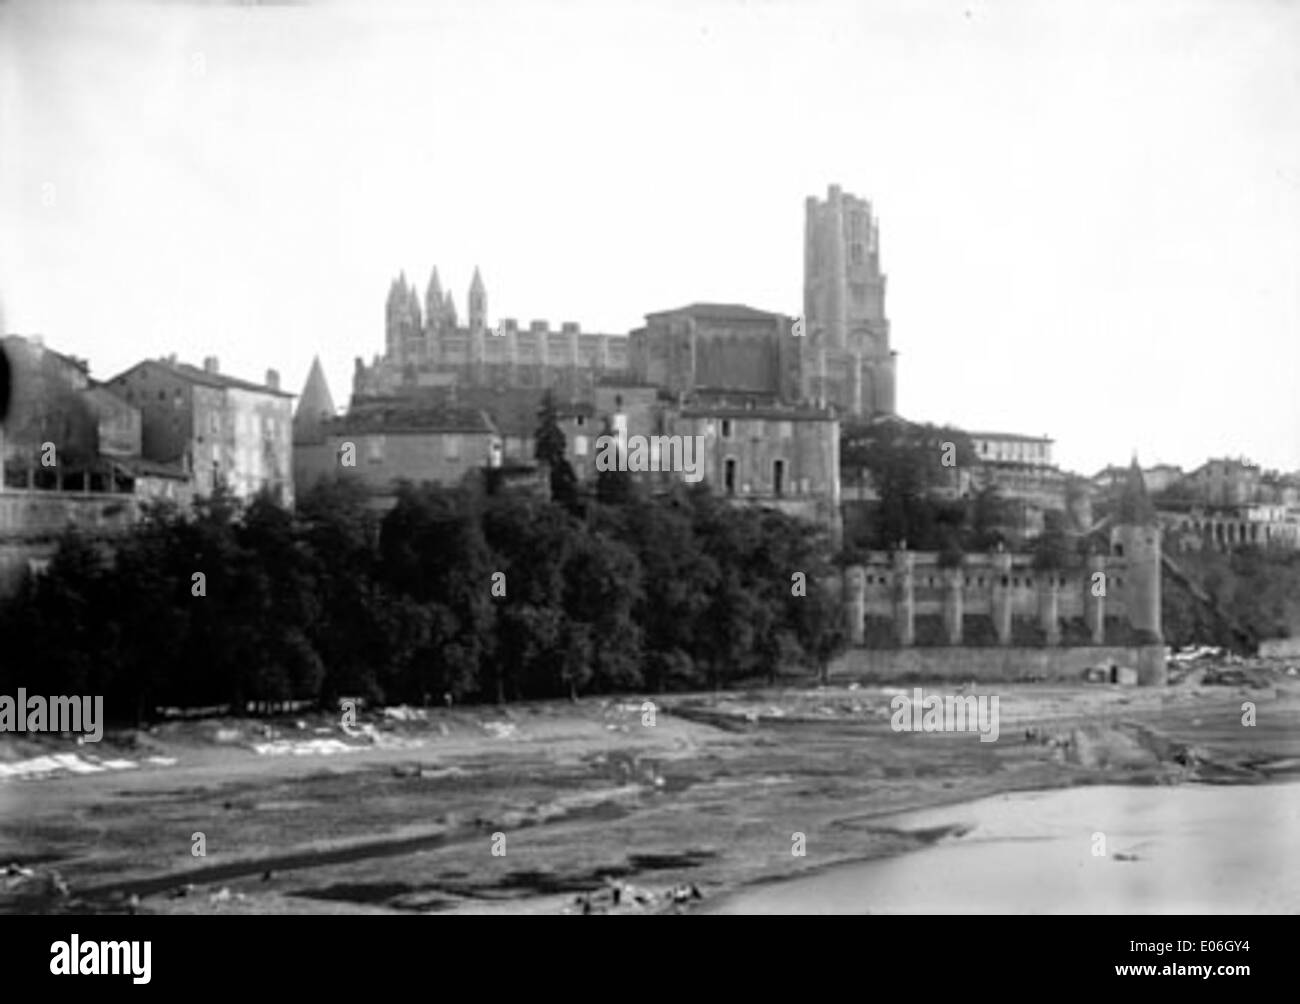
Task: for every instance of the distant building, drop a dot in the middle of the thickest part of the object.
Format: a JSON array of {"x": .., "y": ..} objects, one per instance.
[
  {"x": 847, "y": 362},
  {"x": 387, "y": 442},
  {"x": 430, "y": 348},
  {"x": 1023, "y": 472},
  {"x": 69, "y": 457},
  {"x": 48, "y": 407},
  {"x": 1012, "y": 448},
  {"x": 781, "y": 456},
  {"x": 710, "y": 347},
  {"x": 119, "y": 425},
  {"x": 218, "y": 427},
  {"x": 1224, "y": 482}
]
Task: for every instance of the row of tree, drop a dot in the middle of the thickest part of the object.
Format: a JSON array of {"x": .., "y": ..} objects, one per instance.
[{"x": 452, "y": 591}]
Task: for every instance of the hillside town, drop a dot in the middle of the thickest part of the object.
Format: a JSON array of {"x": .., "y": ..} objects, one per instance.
[
  {"x": 781, "y": 401},
  {"x": 574, "y": 459}
]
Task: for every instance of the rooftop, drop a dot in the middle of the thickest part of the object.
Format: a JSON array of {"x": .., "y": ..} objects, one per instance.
[
  {"x": 720, "y": 311},
  {"x": 400, "y": 417},
  {"x": 1011, "y": 436},
  {"x": 206, "y": 378}
]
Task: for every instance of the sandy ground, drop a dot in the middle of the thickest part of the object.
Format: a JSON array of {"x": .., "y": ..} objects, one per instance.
[{"x": 587, "y": 808}]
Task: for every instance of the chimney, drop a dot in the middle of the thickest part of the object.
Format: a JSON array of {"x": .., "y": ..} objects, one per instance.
[
  {"x": 273, "y": 379},
  {"x": 210, "y": 364}
]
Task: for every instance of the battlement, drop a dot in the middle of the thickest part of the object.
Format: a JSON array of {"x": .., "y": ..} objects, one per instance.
[{"x": 1005, "y": 594}]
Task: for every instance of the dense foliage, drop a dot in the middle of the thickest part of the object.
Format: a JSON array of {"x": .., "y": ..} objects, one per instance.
[
  {"x": 451, "y": 592},
  {"x": 917, "y": 473},
  {"x": 1254, "y": 594}
]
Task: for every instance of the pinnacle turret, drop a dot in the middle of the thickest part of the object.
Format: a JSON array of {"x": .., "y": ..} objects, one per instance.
[
  {"x": 477, "y": 302},
  {"x": 433, "y": 308}
]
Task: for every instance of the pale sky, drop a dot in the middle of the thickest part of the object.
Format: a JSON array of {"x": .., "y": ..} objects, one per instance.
[{"x": 1089, "y": 212}]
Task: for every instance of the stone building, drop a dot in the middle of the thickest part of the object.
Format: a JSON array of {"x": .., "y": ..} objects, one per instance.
[
  {"x": 780, "y": 455},
  {"x": 48, "y": 407},
  {"x": 1224, "y": 482},
  {"x": 847, "y": 360},
  {"x": 388, "y": 442},
  {"x": 216, "y": 426},
  {"x": 707, "y": 347},
  {"x": 1012, "y": 448},
  {"x": 95, "y": 480},
  {"x": 1230, "y": 528}
]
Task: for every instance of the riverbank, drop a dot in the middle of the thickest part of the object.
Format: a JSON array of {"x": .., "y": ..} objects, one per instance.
[{"x": 403, "y": 811}]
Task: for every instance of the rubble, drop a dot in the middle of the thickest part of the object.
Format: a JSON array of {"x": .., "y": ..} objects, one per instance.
[{"x": 624, "y": 897}]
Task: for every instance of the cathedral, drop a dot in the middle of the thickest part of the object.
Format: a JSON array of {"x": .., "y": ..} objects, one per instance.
[{"x": 835, "y": 355}]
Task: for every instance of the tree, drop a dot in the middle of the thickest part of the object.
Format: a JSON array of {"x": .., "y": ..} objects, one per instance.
[
  {"x": 912, "y": 467},
  {"x": 989, "y": 514},
  {"x": 613, "y": 487},
  {"x": 1052, "y": 550},
  {"x": 550, "y": 450}
]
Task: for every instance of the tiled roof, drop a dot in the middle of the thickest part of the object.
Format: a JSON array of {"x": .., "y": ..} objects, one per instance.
[
  {"x": 720, "y": 311},
  {"x": 194, "y": 374},
  {"x": 36, "y": 347},
  {"x": 404, "y": 417},
  {"x": 1014, "y": 436}
]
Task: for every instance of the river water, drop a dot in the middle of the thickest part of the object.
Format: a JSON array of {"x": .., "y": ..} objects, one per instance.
[{"x": 1168, "y": 850}]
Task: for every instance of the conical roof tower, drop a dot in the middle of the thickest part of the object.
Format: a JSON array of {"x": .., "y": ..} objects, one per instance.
[
  {"x": 1135, "y": 506},
  {"x": 315, "y": 406}
]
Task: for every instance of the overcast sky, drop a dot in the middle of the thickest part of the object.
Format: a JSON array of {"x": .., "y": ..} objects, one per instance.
[{"x": 1089, "y": 213}]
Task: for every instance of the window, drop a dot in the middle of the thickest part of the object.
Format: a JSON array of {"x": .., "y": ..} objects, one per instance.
[
  {"x": 579, "y": 446},
  {"x": 580, "y": 421},
  {"x": 726, "y": 430},
  {"x": 451, "y": 447},
  {"x": 729, "y": 476}
]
